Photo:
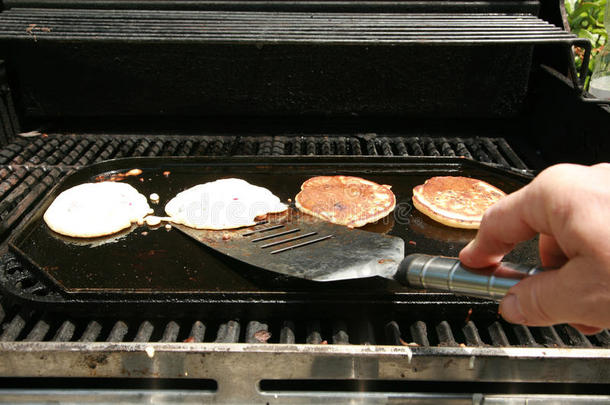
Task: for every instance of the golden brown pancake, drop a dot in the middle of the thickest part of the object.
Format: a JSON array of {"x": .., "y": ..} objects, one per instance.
[
  {"x": 459, "y": 202},
  {"x": 345, "y": 200}
]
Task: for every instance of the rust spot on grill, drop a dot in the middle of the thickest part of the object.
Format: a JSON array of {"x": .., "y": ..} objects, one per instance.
[
  {"x": 93, "y": 360},
  {"x": 189, "y": 339}
]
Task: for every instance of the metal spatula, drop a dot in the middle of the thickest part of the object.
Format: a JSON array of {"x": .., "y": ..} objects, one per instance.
[{"x": 312, "y": 249}]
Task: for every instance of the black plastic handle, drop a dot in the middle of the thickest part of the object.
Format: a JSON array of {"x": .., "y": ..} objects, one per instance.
[{"x": 448, "y": 274}]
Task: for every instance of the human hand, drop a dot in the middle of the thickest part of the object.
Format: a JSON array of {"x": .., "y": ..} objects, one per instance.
[{"x": 569, "y": 206}]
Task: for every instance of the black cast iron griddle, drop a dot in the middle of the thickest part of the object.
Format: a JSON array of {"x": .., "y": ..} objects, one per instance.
[{"x": 153, "y": 267}]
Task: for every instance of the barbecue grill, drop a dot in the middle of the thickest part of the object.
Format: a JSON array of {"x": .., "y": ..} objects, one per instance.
[{"x": 365, "y": 87}]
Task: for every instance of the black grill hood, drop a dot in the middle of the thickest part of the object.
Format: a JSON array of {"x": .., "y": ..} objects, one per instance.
[{"x": 201, "y": 60}]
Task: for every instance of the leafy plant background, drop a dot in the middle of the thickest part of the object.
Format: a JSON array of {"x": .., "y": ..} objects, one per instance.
[{"x": 586, "y": 18}]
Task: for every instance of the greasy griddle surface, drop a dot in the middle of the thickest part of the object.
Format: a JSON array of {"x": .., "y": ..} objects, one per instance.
[{"x": 156, "y": 260}]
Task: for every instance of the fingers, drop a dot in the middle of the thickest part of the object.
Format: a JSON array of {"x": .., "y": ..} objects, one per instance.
[
  {"x": 502, "y": 227},
  {"x": 543, "y": 206},
  {"x": 558, "y": 296},
  {"x": 551, "y": 254},
  {"x": 586, "y": 330}
]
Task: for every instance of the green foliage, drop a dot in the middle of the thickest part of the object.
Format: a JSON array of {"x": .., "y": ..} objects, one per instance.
[{"x": 586, "y": 19}]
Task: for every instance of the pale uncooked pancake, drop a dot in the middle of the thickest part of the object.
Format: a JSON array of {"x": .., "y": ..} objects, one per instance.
[
  {"x": 222, "y": 204},
  {"x": 96, "y": 209},
  {"x": 345, "y": 200},
  {"x": 459, "y": 202}
]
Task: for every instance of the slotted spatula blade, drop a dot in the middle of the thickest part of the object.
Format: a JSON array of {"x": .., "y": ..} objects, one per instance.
[{"x": 308, "y": 248}]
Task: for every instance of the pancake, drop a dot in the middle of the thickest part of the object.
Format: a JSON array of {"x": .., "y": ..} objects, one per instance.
[
  {"x": 222, "y": 204},
  {"x": 459, "y": 202},
  {"x": 345, "y": 200},
  {"x": 96, "y": 209}
]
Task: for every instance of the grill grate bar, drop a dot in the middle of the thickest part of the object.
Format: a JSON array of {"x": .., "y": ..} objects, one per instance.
[
  {"x": 39, "y": 331},
  {"x": 14, "y": 328},
  {"x": 287, "y": 333},
  {"x": 197, "y": 333},
  {"x": 419, "y": 333},
  {"x": 91, "y": 333},
  {"x": 65, "y": 332},
  {"x": 145, "y": 332},
  {"x": 445, "y": 334},
  {"x": 603, "y": 338},
  {"x": 10, "y": 180},
  {"x": 574, "y": 336},
  {"x": 170, "y": 334},
  {"x": 550, "y": 337},
  {"x": 505, "y": 148},
  {"x": 472, "y": 335},
  {"x": 525, "y": 336},
  {"x": 118, "y": 332},
  {"x": 497, "y": 334},
  {"x": 21, "y": 196},
  {"x": 314, "y": 334},
  {"x": 340, "y": 334},
  {"x": 228, "y": 332},
  {"x": 392, "y": 333},
  {"x": 18, "y": 193}
]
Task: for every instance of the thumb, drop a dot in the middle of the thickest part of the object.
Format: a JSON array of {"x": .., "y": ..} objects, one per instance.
[{"x": 552, "y": 297}]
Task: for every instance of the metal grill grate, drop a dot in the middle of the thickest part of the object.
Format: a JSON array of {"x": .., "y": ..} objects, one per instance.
[
  {"x": 79, "y": 150},
  {"x": 261, "y": 27},
  {"x": 20, "y": 324}
]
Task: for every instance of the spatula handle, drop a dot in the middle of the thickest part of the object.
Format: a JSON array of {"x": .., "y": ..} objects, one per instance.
[{"x": 448, "y": 274}]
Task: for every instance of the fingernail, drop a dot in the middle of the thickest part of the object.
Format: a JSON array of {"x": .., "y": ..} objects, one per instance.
[{"x": 511, "y": 309}]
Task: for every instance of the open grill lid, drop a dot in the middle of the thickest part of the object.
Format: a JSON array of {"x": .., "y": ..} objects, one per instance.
[{"x": 70, "y": 62}]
